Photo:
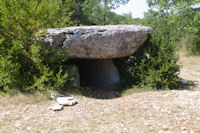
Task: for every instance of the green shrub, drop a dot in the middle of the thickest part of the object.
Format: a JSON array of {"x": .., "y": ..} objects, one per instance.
[
  {"x": 25, "y": 65},
  {"x": 194, "y": 26},
  {"x": 155, "y": 63}
]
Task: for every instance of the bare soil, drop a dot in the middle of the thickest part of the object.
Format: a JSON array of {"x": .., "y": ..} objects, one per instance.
[{"x": 153, "y": 111}]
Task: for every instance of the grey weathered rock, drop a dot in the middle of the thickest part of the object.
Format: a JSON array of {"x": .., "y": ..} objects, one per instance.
[
  {"x": 66, "y": 101},
  {"x": 184, "y": 81},
  {"x": 97, "y": 42},
  {"x": 56, "y": 107}
]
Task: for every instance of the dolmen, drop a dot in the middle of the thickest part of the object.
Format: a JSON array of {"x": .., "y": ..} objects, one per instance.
[{"x": 93, "y": 48}]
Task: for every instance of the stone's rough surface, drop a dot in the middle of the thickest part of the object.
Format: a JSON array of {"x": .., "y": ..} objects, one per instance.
[
  {"x": 97, "y": 42},
  {"x": 56, "y": 107},
  {"x": 66, "y": 101}
]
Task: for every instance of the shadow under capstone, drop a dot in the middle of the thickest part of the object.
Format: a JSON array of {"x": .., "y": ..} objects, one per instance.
[{"x": 97, "y": 73}]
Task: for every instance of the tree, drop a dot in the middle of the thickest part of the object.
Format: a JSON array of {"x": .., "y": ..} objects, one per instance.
[
  {"x": 73, "y": 12},
  {"x": 110, "y": 4},
  {"x": 185, "y": 15},
  {"x": 97, "y": 11}
]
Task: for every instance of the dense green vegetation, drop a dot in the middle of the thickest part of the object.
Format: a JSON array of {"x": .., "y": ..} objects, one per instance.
[
  {"x": 155, "y": 64},
  {"x": 26, "y": 66},
  {"x": 185, "y": 15},
  {"x": 23, "y": 64}
]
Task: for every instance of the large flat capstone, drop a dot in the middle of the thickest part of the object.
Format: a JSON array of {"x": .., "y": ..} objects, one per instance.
[{"x": 97, "y": 42}]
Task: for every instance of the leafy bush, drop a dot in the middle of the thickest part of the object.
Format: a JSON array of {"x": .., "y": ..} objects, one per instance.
[
  {"x": 25, "y": 65},
  {"x": 155, "y": 63},
  {"x": 194, "y": 27}
]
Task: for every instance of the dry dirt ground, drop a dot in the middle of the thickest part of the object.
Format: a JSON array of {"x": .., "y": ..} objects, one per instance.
[{"x": 153, "y": 111}]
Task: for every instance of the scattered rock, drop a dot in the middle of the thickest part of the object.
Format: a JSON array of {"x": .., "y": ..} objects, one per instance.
[
  {"x": 183, "y": 128},
  {"x": 5, "y": 113},
  {"x": 62, "y": 101},
  {"x": 184, "y": 81},
  {"x": 34, "y": 121},
  {"x": 147, "y": 124},
  {"x": 66, "y": 101},
  {"x": 54, "y": 96},
  {"x": 28, "y": 128},
  {"x": 165, "y": 127},
  {"x": 18, "y": 124},
  {"x": 56, "y": 107}
]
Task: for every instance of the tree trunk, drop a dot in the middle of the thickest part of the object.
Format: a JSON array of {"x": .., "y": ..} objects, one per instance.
[{"x": 105, "y": 11}]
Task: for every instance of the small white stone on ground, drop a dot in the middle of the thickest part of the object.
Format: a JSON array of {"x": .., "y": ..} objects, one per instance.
[
  {"x": 5, "y": 113},
  {"x": 28, "y": 128},
  {"x": 164, "y": 127},
  {"x": 147, "y": 124},
  {"x": 66, "y": 101},
  {"x": 183, "y": 128},
  {"x": 56, "y": 107},
  {"x": 34, "y": 121},
  {"x": 184, "y": 81},
  {"x": 161, "y": 131},
  {"x": 18, "y": 124}
]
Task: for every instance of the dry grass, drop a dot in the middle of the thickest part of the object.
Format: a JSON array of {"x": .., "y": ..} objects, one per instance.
[
  {"x": 190, "y": 70},
  {"x": 151, "y": 111},
  {"x": 19, "y": 97},
  {"x": 191, "y": 62}
]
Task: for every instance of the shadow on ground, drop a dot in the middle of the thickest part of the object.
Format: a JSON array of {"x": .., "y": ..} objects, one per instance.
[
  {"x": 186, "y": 85},
  {"x": 115, "y": 92},
  {"x": 97, "y": 93},
  {"x": 104, "y": 93}
]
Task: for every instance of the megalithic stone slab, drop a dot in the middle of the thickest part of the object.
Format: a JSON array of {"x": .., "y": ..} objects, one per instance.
[{"x": 96, "y": 42}]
